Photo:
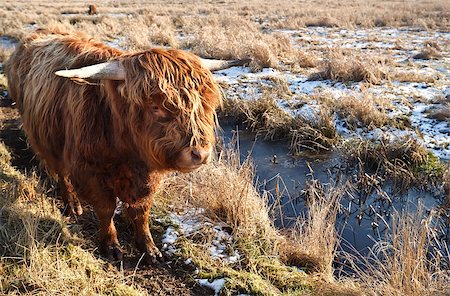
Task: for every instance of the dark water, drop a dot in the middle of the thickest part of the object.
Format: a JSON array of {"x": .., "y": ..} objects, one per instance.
[{"x": 364, "y": 216}]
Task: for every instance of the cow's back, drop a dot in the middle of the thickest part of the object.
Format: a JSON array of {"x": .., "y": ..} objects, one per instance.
[{"x": 54, "y": 110}]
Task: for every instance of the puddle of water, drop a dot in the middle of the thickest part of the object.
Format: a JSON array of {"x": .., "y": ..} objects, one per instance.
[{"x": 364, "y": 217}]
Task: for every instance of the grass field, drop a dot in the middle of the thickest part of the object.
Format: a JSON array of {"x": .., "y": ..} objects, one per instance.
[{"x": 365, "y": 80}]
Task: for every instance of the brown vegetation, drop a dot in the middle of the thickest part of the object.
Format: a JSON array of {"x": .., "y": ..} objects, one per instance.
[
  {"x": 362, "y": 111},
  {"x": 403, "y": 161},
  {"x": 406, "y": 263},
  {"x": 439, "y": 112},
  {"x": 428, "y": 53},
  {"x": 39, "y": 254},
  {"x": 264, "y": 116},
  {"x": 346, "y": 65},
  {"x": 225, "y": 190}
]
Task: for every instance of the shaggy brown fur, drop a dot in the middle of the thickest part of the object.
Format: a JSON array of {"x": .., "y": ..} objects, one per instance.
[{"x": 108, "y": 139}]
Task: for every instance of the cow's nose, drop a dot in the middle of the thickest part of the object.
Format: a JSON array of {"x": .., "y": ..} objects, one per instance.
[{"x": 200, "y": 156}]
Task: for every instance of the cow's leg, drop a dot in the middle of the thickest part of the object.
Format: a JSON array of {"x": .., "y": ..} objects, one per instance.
[
  {"x": 139, "y": 215},
  {"x": 71, "y": 202},
  {"x": 109, "y": 244}
]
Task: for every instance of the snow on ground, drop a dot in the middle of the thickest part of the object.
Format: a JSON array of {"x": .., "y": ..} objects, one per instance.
[
  {"x": 412, "y": 100},
  {"x": 190, "y": 222},
  {"x": 216, "y": 284}
]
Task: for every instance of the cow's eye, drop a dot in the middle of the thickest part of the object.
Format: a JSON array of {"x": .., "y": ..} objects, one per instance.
[{"x": 161, "y": 114}]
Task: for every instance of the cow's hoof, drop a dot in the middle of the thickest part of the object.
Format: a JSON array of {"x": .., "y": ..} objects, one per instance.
[
  {"x": 73, "y": 207},
  {"x": 152, "y": 256},
  {"x": 112, "y": 252}
]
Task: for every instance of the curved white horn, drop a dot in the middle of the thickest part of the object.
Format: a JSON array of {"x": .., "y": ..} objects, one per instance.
[
  {"x": 215, "y": 65},
  {"x": 108, "y": 70}
]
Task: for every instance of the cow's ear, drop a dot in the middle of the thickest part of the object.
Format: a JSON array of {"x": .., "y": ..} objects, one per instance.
[{"x": 109, "y": 71}]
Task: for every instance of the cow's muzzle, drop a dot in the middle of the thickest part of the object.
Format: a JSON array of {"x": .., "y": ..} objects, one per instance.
[{"x": 191, "y": 158}]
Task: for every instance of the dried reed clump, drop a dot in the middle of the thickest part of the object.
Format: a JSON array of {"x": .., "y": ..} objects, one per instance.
[
  {"x": 431, "y": 51},
  {"x": 265, "y": 116},
  {"x": 404, "y": 162},
  {"x": 315, "y": 235},
  {"x": 298, "y": 59},
  {"x": 326, "y": 21},
  {"x": 413, "y": 76},
  {"x": 439, "y": 112},
  {"x": 306, "y": 60},
  {"x": 361, "y": 112},
  {"x": 37, "y": 252},
  {"x": 408, "y": 262},
  {"x": 347, "y": 65},
  {"x": 312, "y": 133},
  {"x": 228, "y": 37},
  {"x": 225, "y": 190}
]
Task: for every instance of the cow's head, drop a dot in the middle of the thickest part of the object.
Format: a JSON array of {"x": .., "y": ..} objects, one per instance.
[{"x": 167, "y": 100}]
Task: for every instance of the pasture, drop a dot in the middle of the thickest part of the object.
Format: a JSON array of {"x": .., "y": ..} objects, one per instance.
[{"x": 331, "y": 173}]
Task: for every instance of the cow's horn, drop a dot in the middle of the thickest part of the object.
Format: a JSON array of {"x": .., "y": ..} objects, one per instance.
[
  {"x": 215, "y": 65},
  {"x": 108, "y": 70}
]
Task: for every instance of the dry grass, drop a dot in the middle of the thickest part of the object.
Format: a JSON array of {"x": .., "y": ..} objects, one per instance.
[
  {"x": 314, "y": 136},
  {"x": 4, "y": 54},
  {"x": 225, "y": 190},
  {"x": 429, "y": 53},
  {"x": 413, "y": 76},
  {"x": 439, "y": 112},
  {"x": 363, "y": 111},
  {"x": 229, "y": 37},
  {"x": 315, "y": 235},
  {"x": 406, "y": 262},
  {"x": 404, "y": 162},
  {"x": 265, "y": 116},
  {"x": 281, "y": 14},
  {"x": 39, "y": 255},
  {"x": 349, "y": 65}
]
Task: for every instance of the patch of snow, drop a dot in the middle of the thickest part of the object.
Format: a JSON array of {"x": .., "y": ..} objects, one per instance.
[
  {"x": 116, "y": 43},
  {"x": 190, "y": 222},
  {"x": 219, "y": 246},
  {"x": 306, "y": 87},
  {"x": 435, "y": 134},
  {"x": 216, "y": 284},
  {"x": 231, "y": 75}
]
